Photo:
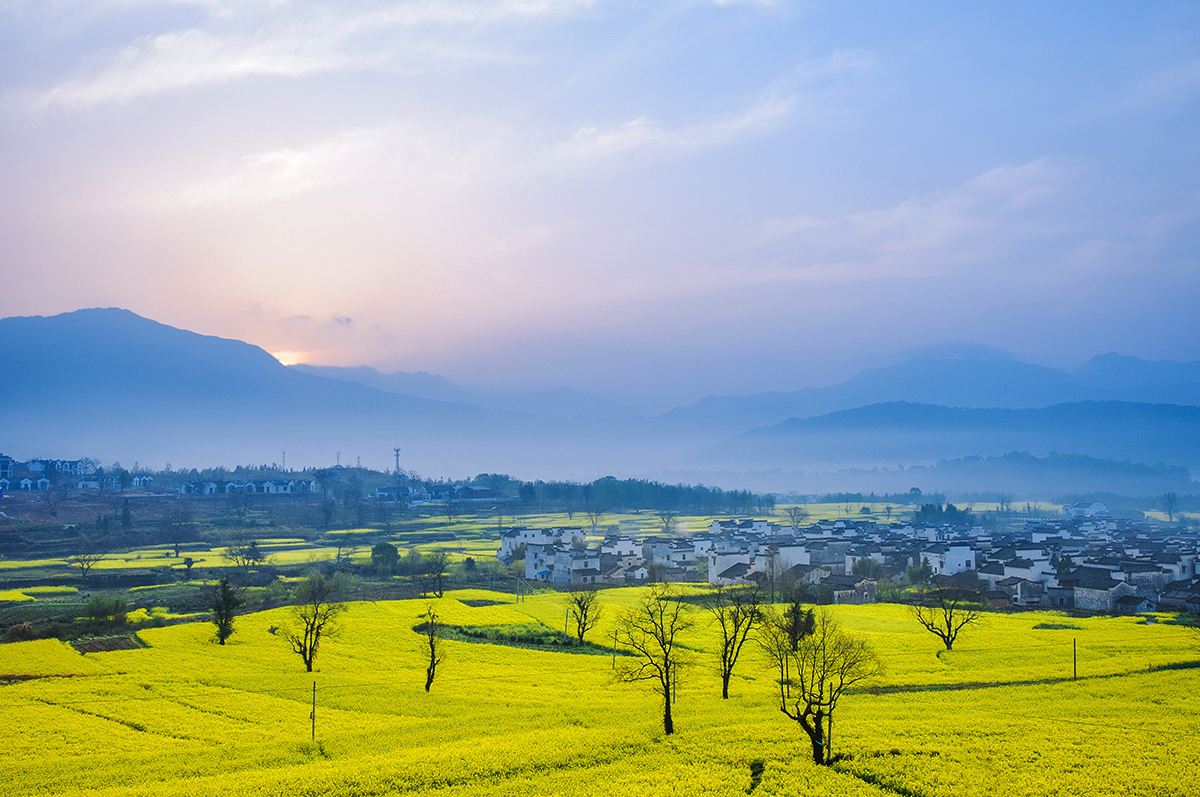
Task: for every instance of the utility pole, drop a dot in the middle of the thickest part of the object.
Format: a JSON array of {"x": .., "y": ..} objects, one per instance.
[
  {"x": 339, "y": 459},
  {"x": 284, "y": 463},
  {"x": 614, "y": 650},
  {"x": 1074, "y": 660},
  {"x": 314, "y": 712}
]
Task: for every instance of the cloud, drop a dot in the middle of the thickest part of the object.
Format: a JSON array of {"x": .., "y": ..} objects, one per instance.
[
  {"x": 774, "y": 105},
  {"x": 593, "y": 143},
  {"x": 288, "y": 171},
  {"x": 246, "y": 39},
  {"x": 992, "y": 213},
  {"x": 1173, "y": 84}
]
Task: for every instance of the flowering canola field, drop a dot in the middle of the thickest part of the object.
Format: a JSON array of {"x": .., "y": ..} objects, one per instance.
[{"x": 999, "y": 715}]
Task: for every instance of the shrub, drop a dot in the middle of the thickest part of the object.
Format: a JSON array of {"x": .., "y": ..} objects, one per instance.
[
  {"x": 21, "y": 632},
  {"x": 104, "y": 610}
]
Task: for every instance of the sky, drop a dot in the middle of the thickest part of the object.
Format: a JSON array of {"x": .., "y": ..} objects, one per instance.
[{"x": 651, "y": 201}]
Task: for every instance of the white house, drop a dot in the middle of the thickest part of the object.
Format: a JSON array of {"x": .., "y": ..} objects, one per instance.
[
  {"x": 1084, "y": 509},
  {"x": 513, "y": 538},
  {"x": 719, "y": 563},
  {"x": 946, "y": 560},
  {"x": 619, "y": 546}
]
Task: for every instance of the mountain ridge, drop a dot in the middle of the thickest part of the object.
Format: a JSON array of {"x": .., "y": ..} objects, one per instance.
[{"x": 107, "y": 382}]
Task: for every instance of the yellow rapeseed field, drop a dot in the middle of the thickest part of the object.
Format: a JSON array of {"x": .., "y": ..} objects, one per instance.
[{"x": 999, "y": 715}]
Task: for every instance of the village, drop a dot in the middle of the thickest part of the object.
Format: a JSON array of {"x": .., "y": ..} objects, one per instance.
[
  {"x": 1083, "y": 561},
  {"x": 1082, "y": 558}
]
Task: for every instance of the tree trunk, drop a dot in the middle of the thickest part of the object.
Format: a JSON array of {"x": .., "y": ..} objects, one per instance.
[
  {"x": 816, "y": 735},
  {"x": 668, "y": 725},
  {"x": 725, "y": 685}
]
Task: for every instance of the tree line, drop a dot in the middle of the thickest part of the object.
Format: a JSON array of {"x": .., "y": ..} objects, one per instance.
[
  {"x": 814, "y": 660},
  {"x": 624, "y": 495}
]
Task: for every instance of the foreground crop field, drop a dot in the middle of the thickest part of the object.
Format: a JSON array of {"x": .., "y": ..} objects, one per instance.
[{"x": 998, "y": 716}]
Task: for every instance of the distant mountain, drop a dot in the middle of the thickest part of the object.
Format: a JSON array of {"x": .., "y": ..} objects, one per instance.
[
  {"x": 907, "y": 433},
  {"x": 558, "y": 403},
  {"x": 107, "y": 382},
  {"x": 1020, "y": 473},
  {"x": 1162, "y": 380},
  {"x": 421, "y": 384},
  {"x": 976, "y": 383},
  {"x": 110, "y": 384}
]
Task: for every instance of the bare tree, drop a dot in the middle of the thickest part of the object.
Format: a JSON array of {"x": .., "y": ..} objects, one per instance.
[
  {"x": 239, "y": 504},
  {"x": 435, "y": 565},
  {"x": 595, "y": 514},
  {"x": 343, "y": 551},
  {"x": 1169, "y": 502},
  {"x": 585, "y": 611},
  {"x": 814, "y": 676},
  {"x": 944, "y": 611},
  {"x": 435, "y": 644},
  {"x": 315, "y": 615},
  {"x": 176, "y": 523},
  {"x": 773, "y": 569},
  {"x": 797, "y": 515},
  {"x": 245, "y": 554},
  {"x": 737, "y": 611},
  {"x": 224, "y": 601},
  {"x": 59, "y": 487},
  {"x": 85, "y": 553},
  {"x": 651, "y": 630},
  {"x": 388, "y": 513},
  {"x": 326, "y": 478},
  {"x": 668, "y": 517},
  {"x": 796, "y": 622}
]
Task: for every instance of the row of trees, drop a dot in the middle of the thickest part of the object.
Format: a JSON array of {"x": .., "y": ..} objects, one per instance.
[
  {"x": 318, "y": 607},
  {"x": 814, "y": 659},
  {"x": 618, "y": 495}
]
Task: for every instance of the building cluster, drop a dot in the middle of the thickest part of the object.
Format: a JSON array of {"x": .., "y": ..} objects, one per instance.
[
  {"x": 1073, "y": 562},
  {"x": 262, "y": 487},
  {"x": 417, "y": 493},
  {"x": 40, "y": 475}
]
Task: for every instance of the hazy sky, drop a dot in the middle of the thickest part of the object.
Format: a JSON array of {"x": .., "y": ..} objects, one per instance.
[{"x": 653, "y": 201}]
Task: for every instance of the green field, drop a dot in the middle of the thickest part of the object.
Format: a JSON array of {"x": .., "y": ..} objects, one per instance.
[{"x": 999, "y": 715}]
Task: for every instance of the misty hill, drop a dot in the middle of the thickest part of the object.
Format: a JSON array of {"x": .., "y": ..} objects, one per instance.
[
  {"x": 1143, "y": 380},
  {"x": 904, "y": 433},
  {"x": 421, "y": 384},
  {"x": 557, "y": 403},
  {"x": 970, "y": 382},
  {"x": 109, "y": 382},
  {"x": 1048, "y": 478}
]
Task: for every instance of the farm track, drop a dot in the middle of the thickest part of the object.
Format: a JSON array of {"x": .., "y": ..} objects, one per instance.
[{"x": 974, "y": 685}]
